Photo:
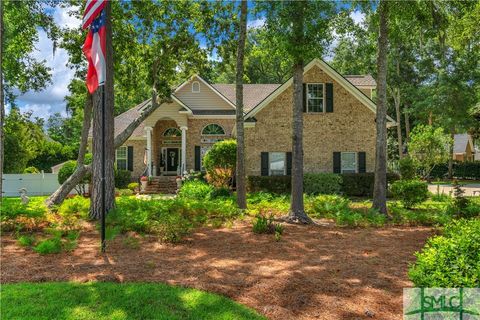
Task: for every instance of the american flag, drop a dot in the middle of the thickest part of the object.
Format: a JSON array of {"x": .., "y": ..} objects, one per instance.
[
  {"x": 92, "y": 9},
  {"x": 94, "y": 49}
]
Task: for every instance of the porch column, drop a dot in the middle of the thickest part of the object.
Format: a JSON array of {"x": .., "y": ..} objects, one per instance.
[
  {"x": 183, "y": 166},
  {"x": 149, "y": 150}
]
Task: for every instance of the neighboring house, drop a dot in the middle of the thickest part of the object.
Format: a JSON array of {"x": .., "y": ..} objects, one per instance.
[
  {"x": 463, "y": 149},
  {"x": 339, "y": 126}
]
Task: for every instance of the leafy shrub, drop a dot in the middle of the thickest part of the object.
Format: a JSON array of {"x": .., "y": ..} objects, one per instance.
[
  {"x": 47, "y": 246},
  {"x": 195, "y": 189},
  {"x": 361, "y": 184},
  {"x": 410, "y": 192},
  {"x": 264, "y": 224},
  {"x": 69, "y": 168},
  {"x": 122, "y": 178},
  {"x": 407, "y": 167},
  {"x": 173, "y": 228},
  {"x": 31, "y": 170},
  {"x": 451, "y": 259},
  {"x": 272, "y": 184},
  {"x": 220, "y": 193},
  {"x": 26, "y": 240},
  {"x": 19, "y": 217},
  {"x": 77, "y": 205},
  {"x": 220, "y": 162},
  {"x": 326, "y": 206},
  {"x": 134, "y": 186},
  {"x": 268, "y": 202},
  {"x": 440, "y": 197},
  {"x": 322, "y": 183}
]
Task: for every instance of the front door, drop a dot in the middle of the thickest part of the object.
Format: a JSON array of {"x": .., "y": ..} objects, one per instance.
[{"x": 172, "y": 159}]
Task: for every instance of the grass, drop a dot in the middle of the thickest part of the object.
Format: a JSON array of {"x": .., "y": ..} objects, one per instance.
[{"x": 114, "y": 301}]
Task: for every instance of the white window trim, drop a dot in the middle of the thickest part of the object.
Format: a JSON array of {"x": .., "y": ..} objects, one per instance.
[
  {"x": 284, "y": 163},
  {"x": 323, "y": 97},
  {"x": 193, "y": 83},
  {"x": 208, "y": 134},
  {"x": 121, "y": 158},
  {"x": 356, "y": 160}
]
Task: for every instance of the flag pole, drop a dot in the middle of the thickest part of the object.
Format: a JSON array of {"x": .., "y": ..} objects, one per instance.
[{"x": 103, "y": 205}]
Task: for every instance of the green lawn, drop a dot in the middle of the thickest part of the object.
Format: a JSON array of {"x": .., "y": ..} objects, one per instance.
[{"x": 114, "y": 301}]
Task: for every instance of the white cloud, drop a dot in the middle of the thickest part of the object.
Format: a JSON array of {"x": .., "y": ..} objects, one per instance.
[
  {"x": 50, "y": 100},
  {"x": 358, "y": 17},
  {"x": 255, "y": 23}
]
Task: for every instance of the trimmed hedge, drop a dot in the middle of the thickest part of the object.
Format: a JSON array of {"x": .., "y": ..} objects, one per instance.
[
  {"x": 410, "y": 192},
  {"x": 352, "y": 184},
  {"x": 461, "y": 170},
  {"x": 272, "y": 184},
  {"x": 322, "y": 183},
  {"x": 361, "y": 184}
]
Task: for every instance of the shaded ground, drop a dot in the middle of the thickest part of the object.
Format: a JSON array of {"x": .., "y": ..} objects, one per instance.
[{"x": 316, "y": 272}]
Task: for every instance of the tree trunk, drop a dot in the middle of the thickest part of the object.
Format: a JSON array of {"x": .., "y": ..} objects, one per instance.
[
  {"x": 96, "y": 195},
  {"x": 241, "y": 185},
  {"x": 450, "y": 159},
  {"x": 407, "y": 125},
  {"x": 2, "y": 103},
  {"x": 297, "y": 210},
  {"x": 380, "y": 185},
  {"x": 59, "y": 195},
  {"x": 396, "y": 99}
]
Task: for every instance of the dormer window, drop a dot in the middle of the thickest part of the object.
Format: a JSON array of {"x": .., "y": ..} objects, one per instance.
[{"x": 196, "y": 87}]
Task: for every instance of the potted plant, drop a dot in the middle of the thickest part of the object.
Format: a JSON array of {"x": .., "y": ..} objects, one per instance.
[{"x": 144, "y": 182}]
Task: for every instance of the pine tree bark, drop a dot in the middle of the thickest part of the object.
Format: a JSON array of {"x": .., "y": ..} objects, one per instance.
[
  {"x": 396, "y": 100},
  {"x": 380, "y": 184},
  {"x": 297, "y": 210},
  {"x": 407, "y": 126},
  {"x": 450, "y": 152},
  {"x": 96, "y": 194},
  {"x": 240, "y": 170},
  {"x": 2, "y": 103}
]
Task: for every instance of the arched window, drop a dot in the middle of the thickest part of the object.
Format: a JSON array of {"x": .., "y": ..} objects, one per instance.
[
  {"x": 213, "y": 129},
  {"x": 172, "y": 132},
  {"x": 195, "y": 87}
]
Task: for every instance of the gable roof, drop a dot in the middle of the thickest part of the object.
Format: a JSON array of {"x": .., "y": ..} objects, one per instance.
[
  {"x": 344, "y": 82},
  {"x": 253, "y": 94},
  {"x": 460, "y": 143},
  {"x": 361, "y": 80}
]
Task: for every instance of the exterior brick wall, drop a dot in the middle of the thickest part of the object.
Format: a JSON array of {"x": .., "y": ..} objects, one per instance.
[
  {"x": 194, "y": 135},
  {"x": 351, "y": 127},
  {"x": 138, "y": 156}
]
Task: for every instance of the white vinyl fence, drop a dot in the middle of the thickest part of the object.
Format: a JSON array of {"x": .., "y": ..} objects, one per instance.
[{"x": 41, "y": 184}]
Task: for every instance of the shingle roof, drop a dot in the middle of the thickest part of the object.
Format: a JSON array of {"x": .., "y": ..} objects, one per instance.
[
  {"x": 252, "y": 93},
  {"x": 460, "y": 142},
  {"x": 361, "y": 80}
]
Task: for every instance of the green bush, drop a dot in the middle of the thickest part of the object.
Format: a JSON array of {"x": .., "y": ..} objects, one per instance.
[
  {"x": 451, "y": 259},
  {"x": 327, "y": 206},
  {"x": 31, "y": 170},
  {"x": 220, "y": 193},
  {"x": 47, "y": 246},
  {"x": 195, "y": 189},
  {"x": 264, "y": 224},
  {"x": 69, "y": 168},
  {"x": 361, "y": 184},
  {"x": 220, "y": 162},
  {"x": 134, "y": 186},
  {"x": 322, "y": 183},
  {"x": 407, "y": 167},
  {"x": 410, "y": 192},
  {"x": 122, "y": 178},
  {"x": 26, "y": 240},
  {"x": 271, "y": 184},
  {"x": 124, "y": 192},
  {"x": 77, "y": 205}
]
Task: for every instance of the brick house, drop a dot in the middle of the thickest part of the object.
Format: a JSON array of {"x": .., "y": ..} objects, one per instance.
[{"x": 339, "y": 126}]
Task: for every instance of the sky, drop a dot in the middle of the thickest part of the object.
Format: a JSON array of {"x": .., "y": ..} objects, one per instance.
[{"x": 51, "y": 100}]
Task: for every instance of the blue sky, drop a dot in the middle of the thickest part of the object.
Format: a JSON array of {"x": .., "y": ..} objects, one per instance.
[{"x": 51, "y": 100}]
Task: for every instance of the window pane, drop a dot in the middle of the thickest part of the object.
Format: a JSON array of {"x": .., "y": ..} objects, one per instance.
[
  {"x": 213, "y": 129},
  {"x": 277, "y": 163},
  {"x": 315, "y": 90},
  {"x": 121, "y": 164},
  {"x": 122, "y": 152},
  {"x": 315, "y": 97},
  {"x": 315, "y": 105},
  {"x": 349, "y": 164}
]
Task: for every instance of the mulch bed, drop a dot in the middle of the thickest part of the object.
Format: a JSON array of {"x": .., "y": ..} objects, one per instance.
[{"x": 314, "y": 272}]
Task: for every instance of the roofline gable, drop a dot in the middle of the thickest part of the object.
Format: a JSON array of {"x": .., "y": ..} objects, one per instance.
[
  {"x": 356, "y": 92},
  {"x": 208, "y": 85}
]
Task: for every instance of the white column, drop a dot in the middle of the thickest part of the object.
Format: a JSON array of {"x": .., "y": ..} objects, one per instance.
[
  {"x": 149, "y": 150},
  {"x": 183, "y": 166}
]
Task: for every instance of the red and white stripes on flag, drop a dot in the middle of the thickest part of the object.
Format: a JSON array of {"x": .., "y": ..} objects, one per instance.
[
  {"x": 92, "y": 9},
  {"x": 94, "y": 49}
]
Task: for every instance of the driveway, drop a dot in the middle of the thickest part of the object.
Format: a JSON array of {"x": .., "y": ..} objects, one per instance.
[{"x": 470, "y": 189}]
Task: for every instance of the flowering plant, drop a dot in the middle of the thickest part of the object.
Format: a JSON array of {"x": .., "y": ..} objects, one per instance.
[{"x": 144, "y": 178}]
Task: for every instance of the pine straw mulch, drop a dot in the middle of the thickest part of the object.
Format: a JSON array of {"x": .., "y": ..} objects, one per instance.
[{"x": 314, "y": 272}]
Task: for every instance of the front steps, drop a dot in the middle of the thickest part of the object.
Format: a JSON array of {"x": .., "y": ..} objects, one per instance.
[{"x": 161, "y": 184}]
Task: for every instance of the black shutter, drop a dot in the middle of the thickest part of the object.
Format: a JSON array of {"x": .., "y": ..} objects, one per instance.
[
  {"x": 362, "y": 162},
  {"x": 289, "y": 163},
  {"x": 197, "y": 158},
  {"x": 304, "y": 97},
  {"x": 264, "y": 164},
  {"x": 130, "y": 158},
  {"x": 337, "y": 162},
  {"x": 329, "y": 94}
]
